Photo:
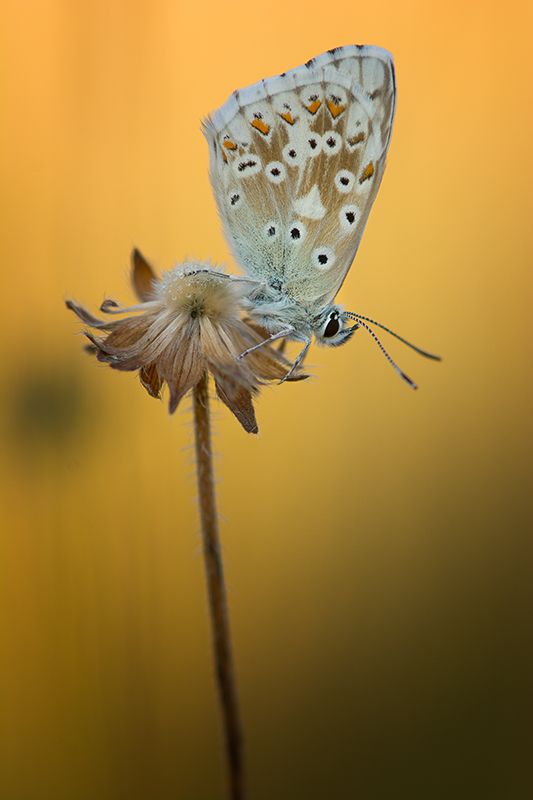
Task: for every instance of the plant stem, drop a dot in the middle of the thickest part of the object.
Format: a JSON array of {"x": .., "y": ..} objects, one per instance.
[{"x": 218, "y": 606}]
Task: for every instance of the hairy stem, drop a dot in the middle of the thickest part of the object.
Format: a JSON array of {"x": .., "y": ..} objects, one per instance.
[{"x": 218, "y": 606}]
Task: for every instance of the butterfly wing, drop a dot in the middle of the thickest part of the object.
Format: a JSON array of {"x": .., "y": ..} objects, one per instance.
[{"x": 296, "y": 162}]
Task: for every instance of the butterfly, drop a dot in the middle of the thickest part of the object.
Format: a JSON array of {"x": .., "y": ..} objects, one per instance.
[{"x": 295, "y": 164}]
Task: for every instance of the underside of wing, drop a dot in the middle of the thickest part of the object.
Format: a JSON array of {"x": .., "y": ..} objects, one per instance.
[{"x": 296, "y": 163}]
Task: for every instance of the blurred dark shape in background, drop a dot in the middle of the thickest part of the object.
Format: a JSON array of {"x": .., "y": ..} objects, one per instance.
[{"x": 47, "y": 410}]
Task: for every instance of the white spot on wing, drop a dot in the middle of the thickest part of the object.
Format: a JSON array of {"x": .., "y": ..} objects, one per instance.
[
  {"x": 271, "y": 231},
  {"x": 234, "y": 198},
  {"x": 344, "y": 181},
  {"x": 276, "y": 172},
  {"x": 331, "y": 143},
  {"x": 292, "y": 155},
  {"x": 247, "y": 165},
  {"x": 373, "y": 74},
  {"x": 348, "y": 217},
  {"x": 297, "y": 232},
  {"x": 314, "y": 144},
  {"x": 323, "y": 257},
  {"x": 310, "y": 205}
]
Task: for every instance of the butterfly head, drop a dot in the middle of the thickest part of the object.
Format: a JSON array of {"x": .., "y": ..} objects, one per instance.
[{"x": 331, "y": 328}]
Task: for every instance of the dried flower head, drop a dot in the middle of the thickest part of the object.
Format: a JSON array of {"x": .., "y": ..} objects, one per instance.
[{"x": 189, "y": 322}]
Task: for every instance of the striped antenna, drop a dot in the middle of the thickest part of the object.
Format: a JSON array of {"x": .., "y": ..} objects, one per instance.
[
  {"x": 357, "y": 317},
  {"x": 394, "y": 365}
]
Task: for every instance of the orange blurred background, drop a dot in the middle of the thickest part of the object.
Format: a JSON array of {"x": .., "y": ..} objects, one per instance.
[{"x": 376, "y": 540}]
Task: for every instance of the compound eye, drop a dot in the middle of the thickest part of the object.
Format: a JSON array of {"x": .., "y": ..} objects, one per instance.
[{"x": 333, "y": 326}]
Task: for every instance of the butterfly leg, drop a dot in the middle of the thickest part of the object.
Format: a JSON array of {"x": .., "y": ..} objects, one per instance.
[
  {"x": 274, "y": 337},
  {"x": 300, "y": 357},
  {"x": 214, "y": 273}
]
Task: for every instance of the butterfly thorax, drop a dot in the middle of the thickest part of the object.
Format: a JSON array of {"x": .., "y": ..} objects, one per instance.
[{"x": 274, "y": 310}]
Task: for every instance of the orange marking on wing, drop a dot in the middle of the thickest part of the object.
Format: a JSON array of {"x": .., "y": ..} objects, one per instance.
[
  {"x": 334, "y": 109},
  {"x": 260, "y": 126},
  {"x": 287, "y": 116},
  {"x": 359, "y": 137},
  {"x": 367, "y": 172},
  {"x": 229, "y": 145},
  {"x": 314, "y": 106}
]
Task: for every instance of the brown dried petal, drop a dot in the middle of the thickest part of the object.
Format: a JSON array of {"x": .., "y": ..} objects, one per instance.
[
  {"x": 183, "y": 372},
  {"x": 297, "y": 376},
  {"x": 122, "y": 360},
  {"x": 142, "y": 276},
  {"x": 86, "y": 317},
  {"x": 239, "y": 401},
  {"x": 161, "y": 339},
  {"x": 126, "y": 334},
  {"x": 108, "y": 305},
  {"x": 151, "y": 381},
  {"x": 261, "y": 365}
]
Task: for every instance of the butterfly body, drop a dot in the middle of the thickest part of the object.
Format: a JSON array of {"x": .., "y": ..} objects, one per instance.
[
  {"x": 275, "y": 310},
  {"x": 295, "y": 163}
]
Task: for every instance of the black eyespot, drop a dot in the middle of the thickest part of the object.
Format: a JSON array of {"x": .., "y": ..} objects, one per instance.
[
  {"x": 234, "y": 199},
  {"x": 331, "y": 142},
  {"x": 312, "y": 143},
  {"x": 322, "y": 259},
  {"x": 295, "y": 233},
  {"x": 333, "y": 327},
  {"x": 292, "y": 153},
  {"x": 275, "y": 172},
  {"x": 271, "y": 231},
  {"x": 350, "y": 216},
  {"x": 344, "y": 181}
]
